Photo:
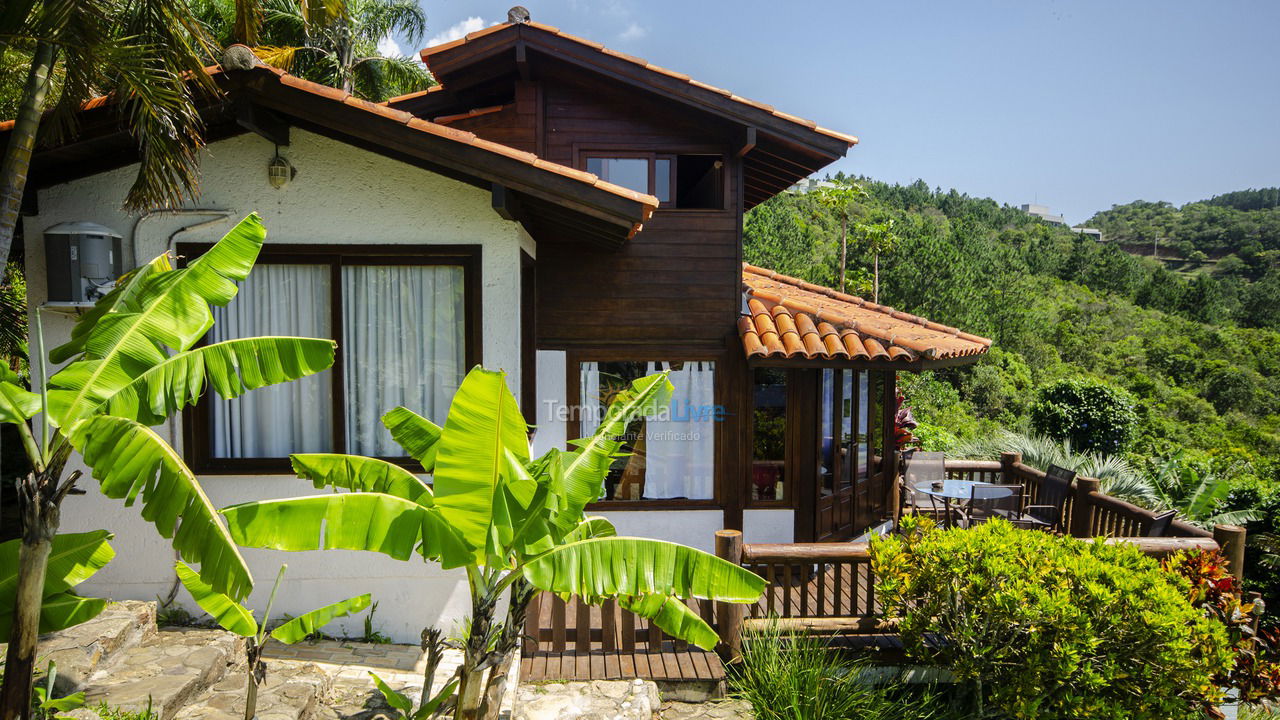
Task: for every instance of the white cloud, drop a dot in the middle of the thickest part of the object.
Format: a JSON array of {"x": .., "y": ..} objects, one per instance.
[
  {"x": 633, "y": 32},
  {"x": 388, "y": 47},
  {"x": 469, "y": 25}
]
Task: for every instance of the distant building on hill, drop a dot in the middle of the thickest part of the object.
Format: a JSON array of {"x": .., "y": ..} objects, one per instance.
[
  {"x": 1042, "y": 212},
  {"x": 808, "y": 185},
  {"x": 1094, "y": 233}
]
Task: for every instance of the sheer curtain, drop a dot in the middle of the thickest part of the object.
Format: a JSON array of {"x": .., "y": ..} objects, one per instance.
[
  {"x": 404, "y": 344},
  {"x": 590, "y": 411},
  {"x": 680, "y": 445},
  {"x": 291, "y": 417}
]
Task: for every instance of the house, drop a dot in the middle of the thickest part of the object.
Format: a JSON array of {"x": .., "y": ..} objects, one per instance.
[
  {"x": 1043, "y": 212},
  {"x": 556, "y": 209}
]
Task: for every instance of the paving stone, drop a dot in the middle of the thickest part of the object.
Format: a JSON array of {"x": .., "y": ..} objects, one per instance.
[
  {"x": 79, "y": 651},
  {"x": 595, "y": 700},
  {"x": 167, "y": 671},
  {"x": 292, "y": 692},
  {"x": 714, "y": 710}
]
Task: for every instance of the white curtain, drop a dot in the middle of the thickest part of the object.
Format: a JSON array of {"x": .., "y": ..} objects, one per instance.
[
  {"x": 590, "y": 410},
  {"x": 680, "y": 444},
  {"x": 280, "y": 419},
  {"x": 404, "y": 344}
]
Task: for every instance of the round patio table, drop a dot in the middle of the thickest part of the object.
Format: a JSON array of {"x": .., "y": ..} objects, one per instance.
[{"x": 958, "y": 490}]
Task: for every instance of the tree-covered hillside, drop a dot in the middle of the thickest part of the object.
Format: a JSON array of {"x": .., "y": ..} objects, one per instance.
[{"x": 1198, "y": 353}]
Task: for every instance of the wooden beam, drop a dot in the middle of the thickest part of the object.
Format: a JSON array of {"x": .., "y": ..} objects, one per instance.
[
  {"x": 505, "y": 203},
  {"x": 522, "y": 62},
  {"x": 260, "y": 120},
  {"x": 748, "y": 142}
]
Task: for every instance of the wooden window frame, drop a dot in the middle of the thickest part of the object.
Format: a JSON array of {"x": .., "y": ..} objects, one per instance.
[
  {"x": 581, "y": 153},
  {"x": 788, "y": 501},
  {"x": 196, "y": 420},
  {"x": 573, "y": 426}
]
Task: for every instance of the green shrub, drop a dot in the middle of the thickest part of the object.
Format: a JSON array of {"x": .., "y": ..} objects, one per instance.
[
  {"x": 1041, "y": 626},
  {"x": 801, "y": 677},
  {"x": 1091, "y": 415}
]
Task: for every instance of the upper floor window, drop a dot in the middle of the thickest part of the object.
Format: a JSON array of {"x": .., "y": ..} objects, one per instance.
[
  {"x": 405, "y": 330},
  {"x": 689, "y": 182}
]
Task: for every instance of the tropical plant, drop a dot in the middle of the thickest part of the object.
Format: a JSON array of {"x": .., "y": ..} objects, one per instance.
[
  {"x": 340, "y": 49},
  {"x": 1196, "y": 491},
  {"x": 73, "y": 558},
  {"x": 1044, "y": 626},
  {"x": 130, "y": 363},
  {"x": 235, "y": 618},
  {"x": 1091, "y": 415},
  {"x": 516, "y": 524},
  {"x": 799, "y": 676},
  {"x": 1255, "y": 673},
  {"x": 45, "y": 706},
  {"x": 878, "y": 238}
]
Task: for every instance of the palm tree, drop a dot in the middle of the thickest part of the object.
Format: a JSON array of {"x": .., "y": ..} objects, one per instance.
[
  {"x": 339, "y": 50},
  {"x": 146, "y": 53}
]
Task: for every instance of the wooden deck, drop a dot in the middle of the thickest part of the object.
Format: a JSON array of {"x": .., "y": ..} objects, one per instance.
[{"x": 613, "y": 645}]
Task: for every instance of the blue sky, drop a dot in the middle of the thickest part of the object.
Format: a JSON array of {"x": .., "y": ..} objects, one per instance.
[{"x": 1076, "y": 104}]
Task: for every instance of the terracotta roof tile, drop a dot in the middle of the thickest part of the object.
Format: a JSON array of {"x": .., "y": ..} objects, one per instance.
[
  {"x": 446, "y": 119},
  {"x": 807, "y": 124},
  {"x": 788, "y": 317}
]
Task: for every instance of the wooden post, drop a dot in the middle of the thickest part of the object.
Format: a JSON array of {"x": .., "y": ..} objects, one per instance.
[
  {"x": 729, "y": 615},
  {"x": 1008, "y": 475},
  {"x": 1082, "y": 508},
  {"x": 1231, "y": 539}
]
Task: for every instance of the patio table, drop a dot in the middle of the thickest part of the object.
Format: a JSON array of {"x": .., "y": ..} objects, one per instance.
[{"x": 961, "y": 490}]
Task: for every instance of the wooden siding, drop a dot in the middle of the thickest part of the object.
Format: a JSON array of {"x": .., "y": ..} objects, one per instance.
[
  {"x": 677, "y": 282},
  {"x": 515, "y": 125}
]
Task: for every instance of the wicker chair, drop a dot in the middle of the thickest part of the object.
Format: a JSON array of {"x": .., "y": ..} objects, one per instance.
[
  {"x": 988, "y": 501},
  {"x": 922, "y": 467}
]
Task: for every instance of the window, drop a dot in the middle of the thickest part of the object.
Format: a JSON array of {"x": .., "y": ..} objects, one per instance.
[
  {"x": 670, "y": 455},
  {"x": 688, "y": 182},
  {"x": 403, "y": 319},
  {"x": 769, "y": 435}
]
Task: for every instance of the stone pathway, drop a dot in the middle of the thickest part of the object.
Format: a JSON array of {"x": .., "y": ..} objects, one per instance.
[
  {"x": 596, "y": 700},
  {"x": 166, "y": 672},
  {"x": 714, "y": 710}
]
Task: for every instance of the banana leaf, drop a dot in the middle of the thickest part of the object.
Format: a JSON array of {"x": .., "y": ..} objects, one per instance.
[
  {"x": 301, "y": 627},
  {"x": 229, "y": 614},
  {"x": 362, "y": 474},
  {"x": 604, "y": 567},
  {"x": 158, "y": 310},
  {"x": 16, "y": 402},
  {"x": 74, "y": 558},
  {"x": 674, "y": 617},
  {"x": 417, "y": 435},
  {"x": 484, "y": 423},
  {"x": 230, "y": 368},
  {"x": 348, "y": 521},
  {"x": 129, "y": 460}
]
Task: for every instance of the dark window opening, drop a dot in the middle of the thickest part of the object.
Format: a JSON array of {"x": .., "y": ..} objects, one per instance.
[{"x": 698, "y": 182}]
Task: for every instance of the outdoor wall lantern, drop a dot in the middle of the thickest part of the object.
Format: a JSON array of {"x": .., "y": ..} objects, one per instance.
[{"x": 280, "y": 171}]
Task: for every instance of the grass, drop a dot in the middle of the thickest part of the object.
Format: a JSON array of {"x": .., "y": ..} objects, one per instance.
[
  {"x": 106, "y": 712},
  {"x": 801, "y": 677}
]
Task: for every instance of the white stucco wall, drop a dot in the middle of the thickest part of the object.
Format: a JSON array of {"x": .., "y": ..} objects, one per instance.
[
  {"x": 341, "y": 195},
  {"x": 768, "y": 526}
]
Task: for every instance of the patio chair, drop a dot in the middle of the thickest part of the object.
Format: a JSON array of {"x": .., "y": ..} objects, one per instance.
[
  {"x": 1160, "y": 524},
  {"x": 1051, "y": 500},
  {"x": 922, "y": 467},
  {"x": 987, "y": 501}
]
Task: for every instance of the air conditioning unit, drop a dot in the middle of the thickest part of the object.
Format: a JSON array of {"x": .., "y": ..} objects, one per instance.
[{"x": 82, "y": 261}]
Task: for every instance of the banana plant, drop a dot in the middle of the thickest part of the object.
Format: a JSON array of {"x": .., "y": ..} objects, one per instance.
[
  {"x": 131, "y": 362},
  {"x": 73, "y": 558},
  {"x": 235, "y": 618},
  {"x": 516, "y": 524}
]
